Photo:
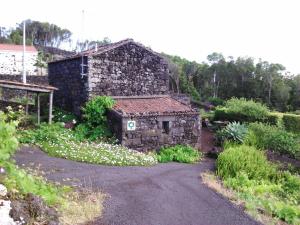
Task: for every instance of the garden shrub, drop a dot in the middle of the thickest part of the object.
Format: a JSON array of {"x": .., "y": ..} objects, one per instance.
[
  {"x": 17, "y": 180},
  {"x": 215, "y": 101},
  {"x": 244, "y": 159},
  {"x": 234, "y": 131},
  {"x": 242, "y": 110},
  {"x": 8, "y": 140},
  {"x": 94, "y": 117},
  {"x": 179, "y": 153},
  {"x": 60, "y": 115},
  {"x": 291, "y": 122},
  {"x": 272, "y": 119},
  {"x": 206, "y": 115},
  {"x": 260, "y": 183},
  {"x": 274, "y": 138}
]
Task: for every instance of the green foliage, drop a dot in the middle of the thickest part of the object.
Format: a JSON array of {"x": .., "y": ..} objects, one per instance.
[
  {"x": 244, "y": 159},
  {"x": 65, "y": 143},
  {"x": 265, "y": 136},
  {"x": 242, "y": 110},
  {"x": 291, "y": 122},
  {"x": 179, "y": 153},
  {"x": 260, "y": 183},
  {"x": 215, "y": 101},
  {"x": 60, "y": 115},
  {"x": 8, "y": 141},
  {"x": 209, "y": 115},
  {"x": 94, "y": 116},
  {"x": 234, "y": 131},
  {"x": 272, "y": 119},
  {"x": 21, "y": 182},
  {"x": 187, "y": 87},
  {"x": 17, "y": 180},
  {"x": 95, "y": 110}
]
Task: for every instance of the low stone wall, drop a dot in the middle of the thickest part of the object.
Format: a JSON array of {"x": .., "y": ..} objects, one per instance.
[
  {"x": 13, "y": 96},
  {"x": 30, "y": 79},
  {"x": 149, "y": 133}
]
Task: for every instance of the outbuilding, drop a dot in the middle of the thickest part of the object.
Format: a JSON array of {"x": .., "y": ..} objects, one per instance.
[
  {"x": 146, "y": 116},
  {"x": 150, "y": 122}
]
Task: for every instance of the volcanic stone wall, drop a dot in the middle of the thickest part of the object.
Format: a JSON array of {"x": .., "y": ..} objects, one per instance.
[
  {"x": 128, "y": 70},
  {"x": 7, "y": 94},
  {"x": 149, "y": 135},
  {"x": 72, "y": 86}
]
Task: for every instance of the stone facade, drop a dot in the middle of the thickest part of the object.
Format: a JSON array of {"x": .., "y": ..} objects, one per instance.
[
  {"x": 124, "y": 69},
  {"x": 150, "y": 134},
  {"x": 11, "y": 60},
  {"x": 73, "y": 89},
  {"x": 127, "y": 69}
]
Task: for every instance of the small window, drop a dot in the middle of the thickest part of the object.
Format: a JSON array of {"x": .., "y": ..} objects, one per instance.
[{"x": 166, "y": 127}]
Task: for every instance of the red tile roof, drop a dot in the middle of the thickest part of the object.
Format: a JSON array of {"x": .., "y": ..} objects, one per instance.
[
  {"x": 147, "y": 106},
  {"x": 17, "y": 48}
]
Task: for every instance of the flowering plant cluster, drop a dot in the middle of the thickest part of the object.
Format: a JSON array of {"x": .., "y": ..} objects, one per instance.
[{"x": 60, "y": 142}]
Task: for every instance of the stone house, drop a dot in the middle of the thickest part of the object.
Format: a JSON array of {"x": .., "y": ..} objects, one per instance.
[
  {"x": 11, "y": 59},
  {"x": 145, "y": 116}
]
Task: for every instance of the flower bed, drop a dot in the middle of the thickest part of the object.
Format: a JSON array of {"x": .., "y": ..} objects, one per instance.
[{"x": 60, "y": 142}]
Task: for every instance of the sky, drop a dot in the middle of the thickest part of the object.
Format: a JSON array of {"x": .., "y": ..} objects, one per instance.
[{"x": 267, "y": 29}]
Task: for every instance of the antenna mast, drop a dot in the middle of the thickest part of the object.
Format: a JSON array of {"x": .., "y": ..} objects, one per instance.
[
  {"x": 84, "y": 48},
  {"x": 24, "y": 51}
]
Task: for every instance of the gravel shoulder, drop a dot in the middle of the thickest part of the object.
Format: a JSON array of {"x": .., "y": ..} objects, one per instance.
[{"x": 165, "y": 194}]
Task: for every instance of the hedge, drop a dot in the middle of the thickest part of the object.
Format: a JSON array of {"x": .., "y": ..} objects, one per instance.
[{"x": 291, "y": 122}]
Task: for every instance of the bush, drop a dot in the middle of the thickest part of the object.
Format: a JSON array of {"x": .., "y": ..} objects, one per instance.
[
  {"x": 18, "y": 180},
  {"x": 272, "y": 119},
  {"x": 8, "y": 140},
  {"x": 60, "y": 115},
  {"x": 178, "y": 153},
  {"x": 265, "y": 136},
  {"x": 94, "y": 116},
  {"x": 291, "y": 122},
  {"x": 206, "y": 115},
  {"x": 259, "y": 183},
  {"x": 234, "y": 131},
  {"x": 215, "y": 101},
  {"x": 94, "y": 112},
  {"x": 242, "y": 110},
  {"x": 244, "y": 159}
]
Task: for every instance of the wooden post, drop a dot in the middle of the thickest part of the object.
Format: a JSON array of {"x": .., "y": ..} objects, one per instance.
[
  {"x": 38, "y": 109},
  {"x": 50, "y": 106},
  {"x": 26, "y": 106}
]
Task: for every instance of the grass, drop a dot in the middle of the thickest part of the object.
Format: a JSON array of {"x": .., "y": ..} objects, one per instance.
[
  {"x": 179, "y": 153},
  {"x": 60, "y": 142},
  {"x": 259, "y": 183},
  {"x": 82, "y": 207},
  {"x": 214, "y": 183}
]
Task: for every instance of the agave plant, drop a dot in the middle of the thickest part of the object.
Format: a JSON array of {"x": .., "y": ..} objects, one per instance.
[{"x": 236, "y": 131}]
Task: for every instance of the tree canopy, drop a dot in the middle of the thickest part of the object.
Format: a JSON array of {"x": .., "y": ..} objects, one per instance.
[
  {"x": 242, "y": 77},
  {"x": 37, "y": 33}
]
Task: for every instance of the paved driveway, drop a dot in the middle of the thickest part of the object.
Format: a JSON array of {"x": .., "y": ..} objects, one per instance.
[{"x": 166, "y": 194}]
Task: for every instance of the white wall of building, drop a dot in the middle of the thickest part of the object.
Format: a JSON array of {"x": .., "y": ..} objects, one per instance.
[{"x": 11, "y": 62}]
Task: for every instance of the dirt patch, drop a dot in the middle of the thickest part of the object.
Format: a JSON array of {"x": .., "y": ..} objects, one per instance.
[
  {"x": 284, "y": 161},
  {"x": 32, "y": 209},
  {"x": 207, "y": 140}
]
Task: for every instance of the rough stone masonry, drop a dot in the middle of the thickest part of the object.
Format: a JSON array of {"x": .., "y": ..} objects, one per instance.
[{"x": 124, "y": 69}]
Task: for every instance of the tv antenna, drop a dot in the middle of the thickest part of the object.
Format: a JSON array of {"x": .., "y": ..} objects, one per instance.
[{"x": 83, "y": 64}]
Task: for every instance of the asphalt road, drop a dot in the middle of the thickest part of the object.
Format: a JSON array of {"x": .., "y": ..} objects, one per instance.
[{"x": 165, "y": 194}]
